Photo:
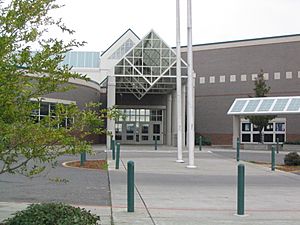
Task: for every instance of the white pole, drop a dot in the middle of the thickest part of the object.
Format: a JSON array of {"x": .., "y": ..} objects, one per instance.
[
  {"x": 178, "y": 85},
  {"x": 191, "y": 93}
]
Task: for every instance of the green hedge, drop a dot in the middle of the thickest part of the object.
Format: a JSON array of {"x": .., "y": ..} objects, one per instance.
[{"x": 52, "y": 214}]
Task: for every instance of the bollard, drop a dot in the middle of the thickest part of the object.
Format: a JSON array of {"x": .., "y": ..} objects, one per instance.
[
  {"x": 118, "y": 156},
  {"x": 241, "y": 190},
  {"x": 155, "y": 142},
  {"x": 273, "y": 158},
  {"x": 200, "y": 143},
  {"x": 113, "y": 150},
  {"x": 111, "y": 142},
  {"x": 130, "y": 186},
  {"x": 81, "y": 158},
  {"x": 277, "y": 145},
  {"x": 238, "y": 149}
]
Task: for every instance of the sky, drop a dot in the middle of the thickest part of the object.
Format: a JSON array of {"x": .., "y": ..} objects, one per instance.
[{"x": 100, "y": 22}]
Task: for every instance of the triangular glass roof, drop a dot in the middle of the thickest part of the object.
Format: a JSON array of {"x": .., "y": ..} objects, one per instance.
[
  {"x": 265, "y": 106},
  {"x": 150, "y": 67}
]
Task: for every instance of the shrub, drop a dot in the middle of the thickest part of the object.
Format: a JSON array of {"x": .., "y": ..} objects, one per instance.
[
  {"x": 52, "y": 213},
  {"x": 205, "y": 140},
  {"x": 292, "y": 159}
]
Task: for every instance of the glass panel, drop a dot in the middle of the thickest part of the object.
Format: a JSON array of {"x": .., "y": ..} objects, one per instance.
[
  {"x": 118, "y": 128},
  {"x": 118, "y": 137},
  {"x": 256, "y": 138},
  {"x": 280, "y": 105},
  {"x": 245, "y": 137},
  {"x": 145, "y": 128},
  {"x": 129, "y": 128},
  {"x": 145, "y": 138},
  {"x": 269, "y": 127},
  {"x": 255, "y": 128},
  {"x": 294, "y": 105},
  {"x": 129, "y": 137},
  {"x": 251, "y": 106},
  {"x": 246, "y": 126},
  {"x": 268, "y": 138},
  {"x": 157, "y": 138},
  {"x": 280, "y": 127},
  {"x": 266, "y": 105},
  {"x": 156, "y": 128},
  {"x": 44, "y": 108},
  {"x": 281, "y": 137}
]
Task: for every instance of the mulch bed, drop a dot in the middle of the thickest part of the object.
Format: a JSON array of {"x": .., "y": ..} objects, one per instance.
[
  {"x": 285, "y": 168},
  {"x": 89, "y": 164}
]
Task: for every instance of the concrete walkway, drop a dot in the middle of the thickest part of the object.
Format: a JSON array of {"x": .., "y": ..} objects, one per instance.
[{"x": 169, "y": 193}]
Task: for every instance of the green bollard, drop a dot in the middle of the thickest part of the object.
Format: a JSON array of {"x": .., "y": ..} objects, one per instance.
[
  {"x": 81, "y": 158},
  {"x": 277, "y": 145},
  {"x": 118, "y": 156},
  {"x": 200, "y": 143},
  {"x": 113, "y": 150},
  {"x": 111, "y": 142},
  {"x": 273, "y": 158},
  {"x": 155, "y": 142},
  {"x": 238, "y": 149},
  {"x": 241, "y": 190},
  {"x": 130, "y": 186}
]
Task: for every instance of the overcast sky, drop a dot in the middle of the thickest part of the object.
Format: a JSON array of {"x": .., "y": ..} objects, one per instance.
[{"x": 101, "y": 22}]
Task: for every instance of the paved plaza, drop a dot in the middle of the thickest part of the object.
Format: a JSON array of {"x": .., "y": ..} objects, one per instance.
[{"x": 167, "y": 192}]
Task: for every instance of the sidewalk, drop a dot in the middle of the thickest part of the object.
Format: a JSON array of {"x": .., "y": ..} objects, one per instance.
[{"x": 169, "y": 193}]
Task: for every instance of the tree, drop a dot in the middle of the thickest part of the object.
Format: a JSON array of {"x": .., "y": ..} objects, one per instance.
[
  {"x": 26, "y": 144},
  {"x": 261, "y": 89}
]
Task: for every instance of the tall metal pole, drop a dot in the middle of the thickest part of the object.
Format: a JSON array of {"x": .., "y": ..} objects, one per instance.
[
  {"x": 190, "y": 89},
  {"x": 178, "y": 86}
]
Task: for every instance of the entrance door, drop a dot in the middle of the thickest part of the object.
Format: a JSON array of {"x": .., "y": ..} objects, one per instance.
[{"x": 157, "y": 132}]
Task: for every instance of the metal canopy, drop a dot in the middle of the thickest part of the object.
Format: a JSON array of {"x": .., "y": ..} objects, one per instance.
[
  {"x": 150, "y": 67},
  {"x": 265, "y": 106}
]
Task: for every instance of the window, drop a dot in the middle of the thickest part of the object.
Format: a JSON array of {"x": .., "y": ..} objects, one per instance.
[
  {"x": 222, "y": 79},
  {"x": 288, "y": 75},
  {"x": 276, "y": 76},
  {"x": 47, "y": 109},
  {"x": 212, "y": 79},
  {"x": 275, "y": 129},
  {"x": 232, "y": 78},
  {"x": 244, "y": 77}
]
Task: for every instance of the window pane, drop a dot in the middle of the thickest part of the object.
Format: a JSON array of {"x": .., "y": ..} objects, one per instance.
[
  {"x": 145, "y": 129},
  {"x": 245, "y": 137},
  {"x": 145, "y": 138},
  {"x": 129, "y": 137},
  {"x": 130, "y": 128},
  {"x": 269, "y": 127},
  {"x": 280, "y": 126},
  {"x": 256, "y": 138},
  {"x": 156, "y": 128},
  {"x": 246, "y": 126},
  {"x": 268, "y": 138},
  {"x": 281, "y": 137},
  {"x": 44, "y": 109}
]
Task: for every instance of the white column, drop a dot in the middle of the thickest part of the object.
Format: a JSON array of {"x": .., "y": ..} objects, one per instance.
[
  {"x": 236, "y": 129},
  {"x": 174, "y": 119},
  {"x": 183, "y": 113},
  {"x": 178, "y": 85},
  {"x": 169, "y": 119},
  {"x": 111, "y": 101},
  {"x": 190, "y": 90}
]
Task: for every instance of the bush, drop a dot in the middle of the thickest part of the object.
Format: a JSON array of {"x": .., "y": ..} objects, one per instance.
[
  {"x": 292, "y": 159},
  {"x": 52, "y": 213},
  {"x": 205, "y": 140}
]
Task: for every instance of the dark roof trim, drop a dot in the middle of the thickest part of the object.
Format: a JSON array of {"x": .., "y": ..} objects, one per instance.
[
  {"x": 118, "y": 40},
  {"x": 244, "y": 40}
]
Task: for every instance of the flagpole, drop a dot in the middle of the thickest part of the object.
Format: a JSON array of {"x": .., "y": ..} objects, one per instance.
[{"x": 190, "y": 89}]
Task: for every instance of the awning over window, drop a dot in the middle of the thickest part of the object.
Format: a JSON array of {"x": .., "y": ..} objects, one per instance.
[{"x": 265, "y": 106}]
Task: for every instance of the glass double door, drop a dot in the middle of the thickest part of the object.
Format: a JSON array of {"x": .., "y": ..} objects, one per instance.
[{"x": 139, "y": 132}]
